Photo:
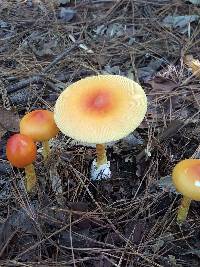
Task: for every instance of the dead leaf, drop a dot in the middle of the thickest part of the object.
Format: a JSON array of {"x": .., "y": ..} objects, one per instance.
[
  {"x": 5, "y": 185},
  {"x": 9, "y": 121},
  {"x": 84, "y": 47},
  {"x": 171, "y": 129},
  {"x": 162, "y": 84},
  {"x": 158, "y": 245},
  {"x": 135, "y": 231},
  {"x": 194, "y": 64},
  {"x": 112, "y": 70},
  {"x": 67, "y": 14},
  {"x": 180, "y": 22},
  {"x": 102, "y": 262},
  {"x": 195, "y": 2},
  {"x": 114, "y": 30},
  {"x": 2, "y": 131},
  {"x": 55, "y": 179},
  {"x": 5, "y": 169},
  {"x": 145, "y": 73},
  {"x": 46, "y": 49},
  {"x": 173, "y": 261},
  {"x": 166, "y": 184},
  {"x": 64, "y": 2},
  {"x": 78, "y": 206}
]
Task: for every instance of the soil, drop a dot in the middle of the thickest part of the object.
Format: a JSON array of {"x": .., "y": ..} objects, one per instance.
[{"x": 129, "y": 219}]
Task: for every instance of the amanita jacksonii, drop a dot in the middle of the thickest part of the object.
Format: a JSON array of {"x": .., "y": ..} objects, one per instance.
[
  {"x": 21, "y": 152},
  {"x": 40, "y": 126},
  {"x": 186, "y": 178},
  {"x": 100, "y": 109}
]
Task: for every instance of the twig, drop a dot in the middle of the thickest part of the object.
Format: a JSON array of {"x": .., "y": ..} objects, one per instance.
[
  {"x": 61, "y": 56},
  {"x": 40, "y": 77},
  {"x": 7, "y": 242},
  {"x": 196, "y": 154},
  {"x": 122, "y": 237},
  {"x": 109, "y": 260},
  {"x": 71, "y": 241},
  {"x": 25, "y": 82},
  {"x": 172, "y": 129},
  {"x": 48, "y": 237}
]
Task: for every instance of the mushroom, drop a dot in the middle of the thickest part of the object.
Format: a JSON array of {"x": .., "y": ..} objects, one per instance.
[
  {"x": 100, "y": 109},
  {"x": 40, "y": 126},
  {"x": 21, "y": 152},
  {"x": 186, "y": 179}
]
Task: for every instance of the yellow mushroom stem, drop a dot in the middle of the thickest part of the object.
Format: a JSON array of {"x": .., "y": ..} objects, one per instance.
[
  {"x": 46, "y": 150},
  {"x": 183, "y": 209},
  {"x": 101, "y": 154},
  {"x": 31, "y": 178}
]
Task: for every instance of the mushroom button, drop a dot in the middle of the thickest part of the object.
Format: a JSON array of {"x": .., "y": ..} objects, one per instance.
[
  {"x": 40, "y": 126},
  {"x": 21, "y": 152},
  {"x": 186, "y": 178}
]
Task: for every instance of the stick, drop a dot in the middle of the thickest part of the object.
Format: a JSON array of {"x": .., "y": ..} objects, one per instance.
[
  {"x": 59, "y": 57},
  {"x": 25, "y": 82}
]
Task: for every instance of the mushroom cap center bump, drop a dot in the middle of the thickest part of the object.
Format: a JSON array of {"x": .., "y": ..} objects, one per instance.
[{"x": 98, "y": 102}]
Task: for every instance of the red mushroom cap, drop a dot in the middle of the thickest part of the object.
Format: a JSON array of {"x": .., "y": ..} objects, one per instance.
[
  {"x": 21, "y": 150},
  {"x": 39, "y": 125}
]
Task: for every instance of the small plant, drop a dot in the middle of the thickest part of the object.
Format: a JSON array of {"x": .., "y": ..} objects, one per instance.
[
  {"x": 186, "y": 178},
  {"x": 21, "y": 153}
]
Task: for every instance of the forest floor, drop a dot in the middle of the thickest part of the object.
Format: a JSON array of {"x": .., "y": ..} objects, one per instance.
[{"x": 130, "y": 219}]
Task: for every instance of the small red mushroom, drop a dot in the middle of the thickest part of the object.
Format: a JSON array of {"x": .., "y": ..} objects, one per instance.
[
  {"x": 21, "y": 153},
  {"x": 40, "y": 126}
]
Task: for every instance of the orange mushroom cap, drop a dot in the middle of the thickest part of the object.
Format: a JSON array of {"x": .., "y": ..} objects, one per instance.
[
  {"x": 186, "y": 178},
  {"x": 100, "y": 109},
  {"x": 39, "y": 125},
  {"x": 21, "y": 150}
]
